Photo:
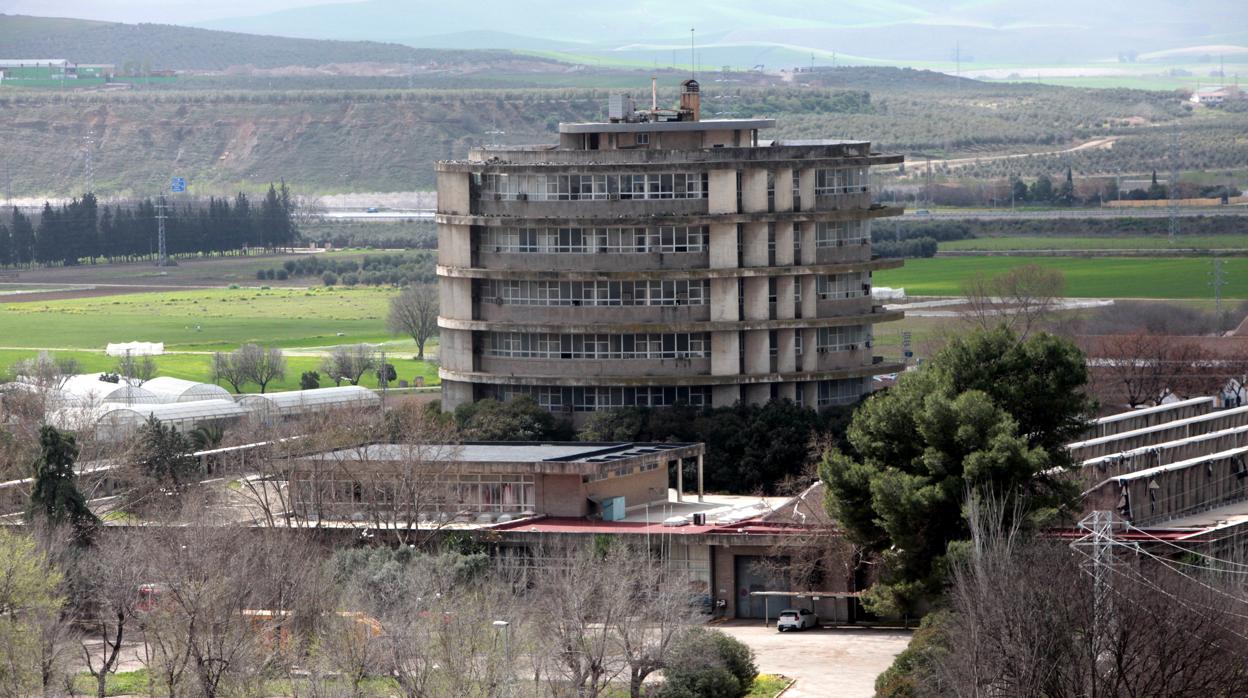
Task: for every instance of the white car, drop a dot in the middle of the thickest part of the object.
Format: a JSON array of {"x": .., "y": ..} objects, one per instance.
[{"x": 795, "y": 619}]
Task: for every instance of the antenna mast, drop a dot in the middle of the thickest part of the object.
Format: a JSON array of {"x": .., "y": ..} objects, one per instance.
[
  {"x": 162, "y": 258},
  {"x": 693, "y": 61}
]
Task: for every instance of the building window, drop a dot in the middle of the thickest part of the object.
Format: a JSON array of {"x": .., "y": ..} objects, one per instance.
[
  {"x": 842, "y": 392},
  {"x": 535, "y": 345},
  {"x": 596, "y": 293},
  {"x": 850, "y": 338},
  {"x": 579, "y": 187},
  {"x": 840, "y": 180},
  {"x": 595, "y": 240},
  {"x": 841, "y": 286},
  {"x": 590, "y": 398},
  {"x": 842, "y": 234}
]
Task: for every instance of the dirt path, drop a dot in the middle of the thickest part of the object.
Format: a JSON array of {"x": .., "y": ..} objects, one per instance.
[{"x": 917, "y": 167}]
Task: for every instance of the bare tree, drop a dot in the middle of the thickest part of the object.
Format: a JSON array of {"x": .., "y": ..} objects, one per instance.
[
  {"x": 137, "y": 370},
  {"x": 1021, "y": 299},
  {"x": 112, "y": 579},
  {"x": 349, "y": 363},
  {"x": 414, "y": 312},
  {"x": 260, "y": 365},
  {"x": 226, "y": 368},
  {"x": 46, "y": 370},
  {"x": 1141, "y": 368}
]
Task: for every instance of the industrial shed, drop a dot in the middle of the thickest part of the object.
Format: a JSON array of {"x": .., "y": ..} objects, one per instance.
[
  {"x": 294, "y": 403},
  {"x": 115, "y": 421},
  {"x": 179, "y": 390},
  {"x": 1176, "y": 489},
  {"x": 90, "y": 388}
]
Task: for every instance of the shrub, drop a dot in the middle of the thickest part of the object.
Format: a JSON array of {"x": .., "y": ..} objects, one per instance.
[
  {"x": 329, "y": 278},
  {"x": 282, "y": 274},
  {"x": 351, "y": 279},
  {"x": 310, "y": 380},
  {"x": 706, "y": 663},
  {"x": 260, "y": 274}
]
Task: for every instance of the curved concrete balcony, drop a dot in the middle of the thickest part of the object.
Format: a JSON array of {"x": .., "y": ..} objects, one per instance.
[
  {"x": 856, "y": 252},
  {"x": 607, "y": 260},
  {"x": 571, "y": 379},
  {"x": 665, "y": 274},
  {"x": 603, "y": 218},
  {"x": 871, "y": 315},
  {"x": 591, "y": 368}
]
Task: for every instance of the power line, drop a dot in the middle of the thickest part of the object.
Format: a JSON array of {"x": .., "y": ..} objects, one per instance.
[
  {"x": 162, "y": 258},
  {"x": 1174, "y": 183}
]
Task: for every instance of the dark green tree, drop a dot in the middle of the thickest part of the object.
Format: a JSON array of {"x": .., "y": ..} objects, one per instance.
[
  {"x": 1042, "y": 189},
  {"x": 6, "y": 246},
  {"x": 164, "y": 455},
  {"x": 23, "y": 236},
  {"x": 1020, "y": 192},
  {"x": 55, "y": 497},
  {"x": 987, "y": 416},
  {"x": 518, "y": 419},
  {"x": 310, "y": 380}
]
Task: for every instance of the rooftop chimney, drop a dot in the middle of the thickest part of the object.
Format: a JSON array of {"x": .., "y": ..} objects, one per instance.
[{"x": 691, "y": 99}]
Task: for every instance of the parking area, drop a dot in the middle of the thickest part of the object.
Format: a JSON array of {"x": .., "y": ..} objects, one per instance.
[{"x": 827, "y": 662}]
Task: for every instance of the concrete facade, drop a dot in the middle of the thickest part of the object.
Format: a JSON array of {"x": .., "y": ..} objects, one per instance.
[{"x": 572, "y": 273}]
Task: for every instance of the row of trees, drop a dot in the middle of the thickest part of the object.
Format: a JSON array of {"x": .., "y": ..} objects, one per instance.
[{"x": 84, "y": 231}]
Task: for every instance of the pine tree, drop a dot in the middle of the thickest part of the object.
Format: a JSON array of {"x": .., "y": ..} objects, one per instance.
[{"x": 55, "y": 496}]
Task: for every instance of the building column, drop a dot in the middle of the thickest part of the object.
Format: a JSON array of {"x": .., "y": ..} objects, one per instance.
[
  {"x": 809, "y": 254},
  {"x": 725, "y": 305},
  {"x": 810, "y": 299},
  {"x": 784, "y": 190},
  {"x": 786, "y": 355},
  {"x": 787, "y": 391},
  {"x": 722, "y": 197},
  {"x": 725, "y": 353},
  {"x": 754, "y": 190},
  {"x": 754, "y": 245},
  {"x": 784, "y": 244},
  {"x": 723, "y": 246},
  {"x": 757, "y": 303},
  {"x": 810, "y": 356},
  {"x": 786, "y": 309},
  {"x": 757, "y": 352},
  {"x": 701, "y": 491},
  {"x": 806, "y": 188},
  {"x": 680, "y": 479}
]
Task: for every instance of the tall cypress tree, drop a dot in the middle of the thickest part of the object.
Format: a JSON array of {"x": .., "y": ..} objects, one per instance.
[
  {"x": 23, "y": 237},
  {"x": 6, "y": 246},
  {"x": 55, "y": 496}
]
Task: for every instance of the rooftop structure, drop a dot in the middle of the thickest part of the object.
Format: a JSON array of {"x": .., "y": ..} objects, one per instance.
[
  {"x": 294, "y": 403},
  {"x": 178, "y": 390},
  {"x": 655, "y": 258},
  {"x": 92, "y": 390},
  {"x": 116, "y": 421}
]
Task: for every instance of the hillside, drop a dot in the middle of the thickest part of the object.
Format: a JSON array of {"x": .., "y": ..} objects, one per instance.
[
  {"x": 327, "y": 141},
  {"x": 168, "y": 47}
]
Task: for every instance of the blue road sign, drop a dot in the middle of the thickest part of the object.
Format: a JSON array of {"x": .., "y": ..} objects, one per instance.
[{"x": 178, "y": 185}]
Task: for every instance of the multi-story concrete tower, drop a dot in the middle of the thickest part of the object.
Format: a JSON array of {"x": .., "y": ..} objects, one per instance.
[{"x": 656, "y": 258}]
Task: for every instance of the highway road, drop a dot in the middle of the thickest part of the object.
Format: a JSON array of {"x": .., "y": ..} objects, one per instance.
[
  {"x": 910, "y": 215},
  {"x": 385, "y": 215}
]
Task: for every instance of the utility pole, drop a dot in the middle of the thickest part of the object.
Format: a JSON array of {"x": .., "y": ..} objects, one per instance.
[
  {"x": 162, "y": 257},
  {"x": 957, "y": 57},
  {"x": 1217, "y": 280},
  {"x": 1174, "y": 183},
  {"x": 88, "y": 141},
  {"x": 1097, "y": 544}
]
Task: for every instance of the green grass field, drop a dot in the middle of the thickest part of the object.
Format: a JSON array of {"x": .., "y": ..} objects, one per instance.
[
  {"x": 203, "y": 321},
  {"x": 1115, "y": 277},
  {"x": 1152, "y": 242}
]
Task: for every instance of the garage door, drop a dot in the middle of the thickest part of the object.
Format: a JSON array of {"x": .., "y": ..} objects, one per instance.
[{"x": 751, "y": 576}]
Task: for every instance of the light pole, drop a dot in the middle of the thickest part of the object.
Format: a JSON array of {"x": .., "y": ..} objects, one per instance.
[{"x": 505, "y": 628}]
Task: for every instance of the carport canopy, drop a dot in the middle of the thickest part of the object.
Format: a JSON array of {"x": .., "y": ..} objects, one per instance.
[{"x": 812, "y": 595}]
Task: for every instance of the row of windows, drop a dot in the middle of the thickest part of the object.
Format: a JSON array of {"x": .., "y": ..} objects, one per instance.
[
  {"x": 606, "y": 187},
  {"x": 531, "y": 345},
  {"x": 840, "y": 180},
  {"x": 842, "y": 338},
  {"x": 842, "y": 234},
  {"x": 590, "y": 398},
  {"x": 839, "y": 286},
  {"x": 596, "y": 240},
  {"x": 451, "y": 493},
  {"x": 596, "y": 293}
]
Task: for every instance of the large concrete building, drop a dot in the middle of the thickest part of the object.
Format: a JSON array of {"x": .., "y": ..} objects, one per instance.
[{"x": 656, "y": 257}]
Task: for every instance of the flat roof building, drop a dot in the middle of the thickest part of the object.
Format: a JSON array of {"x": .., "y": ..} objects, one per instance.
[{"x": 656, "y": 258}]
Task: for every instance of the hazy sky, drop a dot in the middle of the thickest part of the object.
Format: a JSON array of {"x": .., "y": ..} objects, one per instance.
[{"x": 162, "y": 11}]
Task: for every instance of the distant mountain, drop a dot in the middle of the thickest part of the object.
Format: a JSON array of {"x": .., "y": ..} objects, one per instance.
[
  {"x": 987, "y": 31},
  {"x": 169, "y": 47}
]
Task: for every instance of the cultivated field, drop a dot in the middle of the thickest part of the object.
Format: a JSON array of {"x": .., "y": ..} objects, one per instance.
[
  {"x": 194, "y": 323},
  {"x": 1151, "y": 242},
  {"x": 1112, "y": 277}
]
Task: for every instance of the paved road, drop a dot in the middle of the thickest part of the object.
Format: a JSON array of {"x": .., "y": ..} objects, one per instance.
[
  {"x": 1006, "y": 214},
  {"x": 827, "y": 663}
]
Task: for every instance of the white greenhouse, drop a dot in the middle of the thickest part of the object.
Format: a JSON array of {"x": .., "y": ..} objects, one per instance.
[
  {"x": 94, "y": 391},
  {"x": 299, "y": 402},
  {"x": 117, "y": 421},
  {"x": 178, "y": 390}
]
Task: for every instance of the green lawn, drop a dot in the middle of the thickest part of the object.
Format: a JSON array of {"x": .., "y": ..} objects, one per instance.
[
  {"x": 203, "y": 319},
  {"x": 208, "y": 321},
  {"x": 1150, "y": 242},
  {"x": 1114, "y": 277}
]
